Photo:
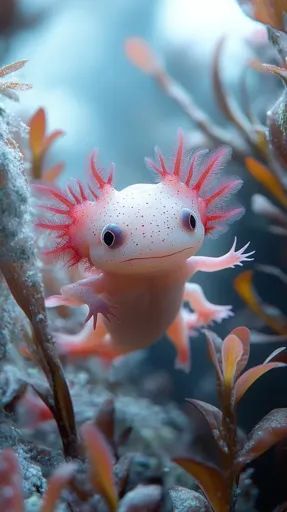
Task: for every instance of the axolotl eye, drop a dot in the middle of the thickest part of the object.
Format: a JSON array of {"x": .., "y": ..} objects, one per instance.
[
  {"x": 188, "y": 220},
  {"x": 112, "y": 236}
]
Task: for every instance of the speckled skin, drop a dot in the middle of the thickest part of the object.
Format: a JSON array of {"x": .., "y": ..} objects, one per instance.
[
  {"x": 143, "y": 241},
  {"x": 140, "y": 285}
]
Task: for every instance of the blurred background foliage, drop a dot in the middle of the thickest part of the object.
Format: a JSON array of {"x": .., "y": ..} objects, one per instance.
[{"x": 90, "y": 89}]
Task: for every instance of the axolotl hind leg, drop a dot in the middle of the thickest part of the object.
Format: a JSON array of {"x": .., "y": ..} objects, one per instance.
[
  {"x": 206, "y": 312},
  {"x": 187, "y": 322},
  {"x": 88, "y": 342}
]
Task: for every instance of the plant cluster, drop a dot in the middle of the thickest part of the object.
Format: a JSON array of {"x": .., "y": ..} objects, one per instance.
[{"x": 220, "y": 480}]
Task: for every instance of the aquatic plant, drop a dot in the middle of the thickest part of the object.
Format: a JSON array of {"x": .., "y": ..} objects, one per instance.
[
  {"x": 250, "y": 135},
  {"x": 220, "y": 480},
  {"x": 39, "y": 144},
  {"x": 19, "y": 266},
  {"x": 259, "y": 145},
  {"x": 101, "y": 484},
  {"x": 270, "y": 174}
]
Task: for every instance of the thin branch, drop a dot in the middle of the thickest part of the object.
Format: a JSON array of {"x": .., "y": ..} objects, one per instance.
[{"x": 185, "y": 101}]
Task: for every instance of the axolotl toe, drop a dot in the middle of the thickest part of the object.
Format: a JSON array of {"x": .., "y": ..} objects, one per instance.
[{"x": 141, "y": 244}]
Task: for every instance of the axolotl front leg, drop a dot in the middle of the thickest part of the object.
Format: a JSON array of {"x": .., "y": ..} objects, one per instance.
[
  {"x": 204, "y": 312},
  {"x": 94, "y": 338},
  {"x": 89, "y": 291},
  {"x": 210, "y": 264}
]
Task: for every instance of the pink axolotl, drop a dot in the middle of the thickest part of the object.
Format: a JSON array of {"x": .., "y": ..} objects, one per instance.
[{"x": 141, "y": 242}]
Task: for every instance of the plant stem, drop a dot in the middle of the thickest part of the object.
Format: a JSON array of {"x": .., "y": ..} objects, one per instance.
[
  {"x": 229, "y": 432},
  {"x": 28, "y": 295},
  {"x": 185, "y": 101}
]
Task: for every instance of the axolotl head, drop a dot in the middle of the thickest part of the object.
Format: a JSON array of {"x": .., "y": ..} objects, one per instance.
[{"x": 143, "y": 228}]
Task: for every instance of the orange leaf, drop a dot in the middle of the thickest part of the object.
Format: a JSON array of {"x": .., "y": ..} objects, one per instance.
[
  {"x": 56, "y": 484},
  {"x": 37, "y": 126},
  {"x": 269, "y": 12},
  {"x": 10, "y": 478},
  {"x": 243, "y": 284},
  {"x": 52, "y": 174},
  {"x": 269, "y": 431},
  {"x": 211, "y": 481},
  {"x": 51, "y": 138},
  {"x": 232, "y": 352},
  {"x": 262, "y": 174},
  {"x": 141, "y": 55},
  {"x": 250, "y": 376},
  {"x": 244, "y": 335},
  {"x": 101, "y": 464}
]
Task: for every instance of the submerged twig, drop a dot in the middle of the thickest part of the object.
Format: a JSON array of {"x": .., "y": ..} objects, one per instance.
[
  {"x": 141, "y": 55},
  {"x": 185, "y": 101}
]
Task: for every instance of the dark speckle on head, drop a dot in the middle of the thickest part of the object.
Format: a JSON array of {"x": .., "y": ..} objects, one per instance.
[{"x": 146, "y": 222}]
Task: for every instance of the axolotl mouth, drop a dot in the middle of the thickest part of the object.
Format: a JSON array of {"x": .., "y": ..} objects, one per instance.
[{"x": 158, "y": 257}]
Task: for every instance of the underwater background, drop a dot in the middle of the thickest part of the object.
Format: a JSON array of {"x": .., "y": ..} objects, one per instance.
[{"x": 121, "y": 77}]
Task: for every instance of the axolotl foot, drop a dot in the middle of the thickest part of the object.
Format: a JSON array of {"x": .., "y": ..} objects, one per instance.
[
  {"x": 212, "y": 314},
  {"x": 96, "y": 305},
  {"x": 99, "y": 305}
]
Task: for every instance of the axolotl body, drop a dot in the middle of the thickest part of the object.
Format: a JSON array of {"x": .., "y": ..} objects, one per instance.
[{"x": 141, "y": 244}]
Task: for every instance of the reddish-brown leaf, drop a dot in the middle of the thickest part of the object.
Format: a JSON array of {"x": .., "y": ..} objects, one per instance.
[
  {"x": 34, "y": 408},
  {"x": 269, "y": 431},
  {"x": 11, "y": 496},
  {"x": 56, "y": 484},
  {"x": 212, "y": 415},
  {"x": 210, "y": 479},
  {"x": 105, "y": 420},
  {"x": 232, "y": 352},
  {"x": 250, "y": 376},
  {"x": 141, "y": 55},
  {"x": 101, "y": 463},
  {"x": 37, "y": 126}
]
